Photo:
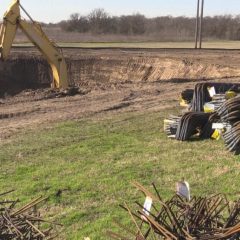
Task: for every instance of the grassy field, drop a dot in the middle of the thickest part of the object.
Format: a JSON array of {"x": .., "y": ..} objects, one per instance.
[
  {"x": 209, "y": 44},
  {"x": 93, "y": 161}
]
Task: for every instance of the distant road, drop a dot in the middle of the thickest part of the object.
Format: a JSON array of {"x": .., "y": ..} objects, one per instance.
[{"x": 208, "y": 45}]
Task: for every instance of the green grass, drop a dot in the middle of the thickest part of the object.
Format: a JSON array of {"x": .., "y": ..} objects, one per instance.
[
  {"x": 207, "y": 44},
  {"x": 94, "y": 160}
]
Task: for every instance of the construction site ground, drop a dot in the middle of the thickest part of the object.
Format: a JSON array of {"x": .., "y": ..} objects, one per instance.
[
  {"x": 84, "y": 150},
  {"x": 123, "y": 88}
]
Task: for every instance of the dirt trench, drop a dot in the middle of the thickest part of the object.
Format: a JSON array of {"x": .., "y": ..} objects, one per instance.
[{"x": 21, "y": 72}]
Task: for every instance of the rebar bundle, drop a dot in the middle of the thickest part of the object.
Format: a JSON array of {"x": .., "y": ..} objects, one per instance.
[
  {"x": 230, "y": 110},
  {"x": 229, "y": 113},
  {"x": 187, "y": 95},
  {"x": 202, "y": 218},
  {"x": 190, "y": 124},
  {"x": 184, "y": 127},
  {"x": 232, "y": 139},
  {"x": 171, "y": 125},
  {"x": 223, "y": 106},
  {"x": 23, "y": 223},
  {"x": 207, "y": 131},
  {"x": 200, "y": 97},
  {"x": 201, "y": 94},
  {"x": 218, "y": 100}
]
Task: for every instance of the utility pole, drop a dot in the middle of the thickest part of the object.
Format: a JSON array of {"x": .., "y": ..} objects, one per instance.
[
  {"x": 201, "y": 25},
  {"x": 197, "y": 25}
]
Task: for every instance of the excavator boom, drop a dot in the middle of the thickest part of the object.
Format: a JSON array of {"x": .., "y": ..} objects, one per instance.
[
  {"x": 9, "y": 29},
  {"x": 11, "y": 22}
]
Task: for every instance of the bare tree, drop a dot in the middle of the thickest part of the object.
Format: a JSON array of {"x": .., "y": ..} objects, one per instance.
[
  {"x": 165, "y": 28},
  {"x": 98, "y": 20},
  {"x": 76, "y": 23},
  {"x": 132, "y": 24}
]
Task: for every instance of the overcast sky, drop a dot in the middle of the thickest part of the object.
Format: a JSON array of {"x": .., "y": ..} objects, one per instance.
[{"x": 56, "y": 10}]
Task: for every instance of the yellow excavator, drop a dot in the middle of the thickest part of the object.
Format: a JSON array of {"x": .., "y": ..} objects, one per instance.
[{"x": 12, "y": 21}]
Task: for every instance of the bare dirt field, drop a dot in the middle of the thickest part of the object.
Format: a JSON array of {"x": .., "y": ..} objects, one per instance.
[{"x": 110, "y": 81}]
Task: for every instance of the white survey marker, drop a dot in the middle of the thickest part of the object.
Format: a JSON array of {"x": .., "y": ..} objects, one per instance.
[
  {"x": 218, "y": 126},
  {"x": 212, "y": 91},
  {"x": 147, "y": 205},
  {"x": 183, "y": 189}
]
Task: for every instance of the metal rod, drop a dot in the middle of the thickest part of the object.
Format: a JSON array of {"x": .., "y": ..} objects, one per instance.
[
  {"x": 26, "y": 12},
  {"x": 197, "y": 25}
]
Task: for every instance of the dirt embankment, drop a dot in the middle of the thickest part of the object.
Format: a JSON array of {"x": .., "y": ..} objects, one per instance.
[
  {"x": 20, "y": 72},
  {"x": 103, "y": 70},
  {"x": 114, "y": 80}
]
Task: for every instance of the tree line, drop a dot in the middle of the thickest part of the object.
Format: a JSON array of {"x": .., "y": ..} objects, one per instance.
[{"x": 98, "y": 21}]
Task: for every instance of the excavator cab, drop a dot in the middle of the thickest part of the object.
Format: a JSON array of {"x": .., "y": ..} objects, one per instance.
[{"x": 12, "y": 20}]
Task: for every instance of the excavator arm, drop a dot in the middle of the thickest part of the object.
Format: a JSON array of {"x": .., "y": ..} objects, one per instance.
[
  {"x": 11, "y": 22},
  {"x": 9, "y": 29}
]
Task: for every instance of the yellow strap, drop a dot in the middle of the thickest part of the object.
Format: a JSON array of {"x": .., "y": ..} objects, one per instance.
[{"x": 216, "y": 135}]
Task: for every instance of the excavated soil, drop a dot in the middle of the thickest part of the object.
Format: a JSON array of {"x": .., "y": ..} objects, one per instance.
[{"x": 110, "y": 81}]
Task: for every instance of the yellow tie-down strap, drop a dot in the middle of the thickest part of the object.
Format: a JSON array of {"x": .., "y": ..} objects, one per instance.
[
  {"x": 230, "y": 94},
  {"x": 183, "y": 103},
  {"x": 216, "y": 135}
]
